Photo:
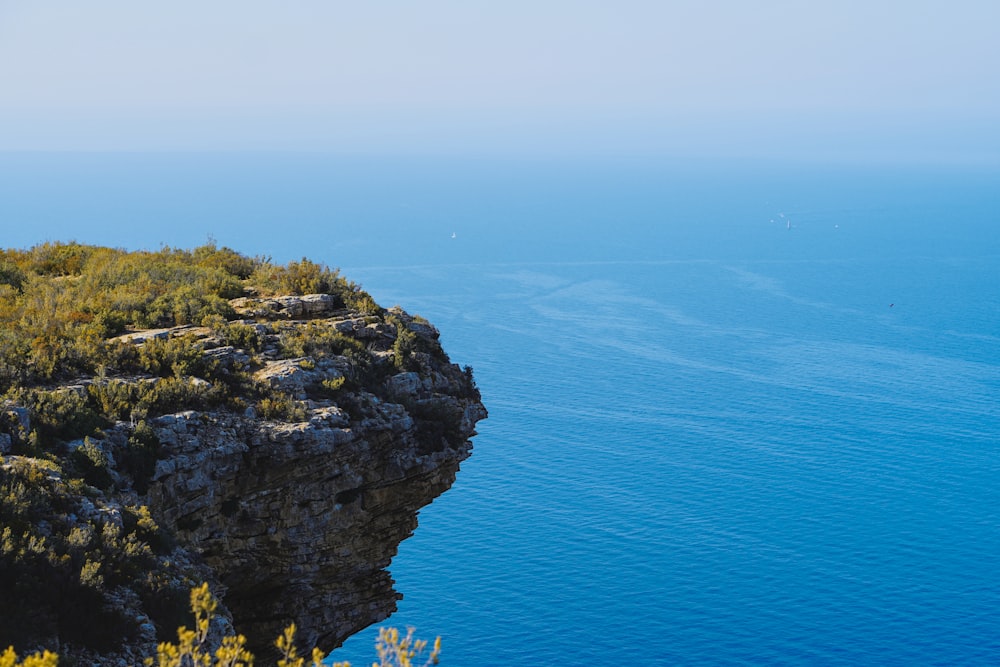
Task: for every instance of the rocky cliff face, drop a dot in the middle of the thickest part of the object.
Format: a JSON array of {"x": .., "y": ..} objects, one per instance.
[
  {"x": 300, "y": 520},
  {"x": 293, "y": 506}
]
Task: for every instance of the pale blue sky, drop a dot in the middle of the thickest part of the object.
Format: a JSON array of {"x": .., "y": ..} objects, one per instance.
[{"x": 875, "y": 78}]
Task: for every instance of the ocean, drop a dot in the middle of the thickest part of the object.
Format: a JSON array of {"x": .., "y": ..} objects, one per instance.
[{"x": 740, "y": 413}]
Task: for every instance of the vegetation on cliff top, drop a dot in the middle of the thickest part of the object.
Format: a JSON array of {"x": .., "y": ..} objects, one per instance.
[
  {"x": 61, "y": 304},
  {"x": 74, "y": 363}
]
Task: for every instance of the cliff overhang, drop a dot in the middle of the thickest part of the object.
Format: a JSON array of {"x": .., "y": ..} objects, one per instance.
[{"x": 281, "y": 455}]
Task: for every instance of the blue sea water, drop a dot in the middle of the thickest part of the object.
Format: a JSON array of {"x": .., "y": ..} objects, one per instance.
[{"x": 740, "y": 413}]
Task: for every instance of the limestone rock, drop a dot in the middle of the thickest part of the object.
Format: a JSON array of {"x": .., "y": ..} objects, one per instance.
[
  {"x": 294, "y": 376},
  {"x": 286, "y": 307}
]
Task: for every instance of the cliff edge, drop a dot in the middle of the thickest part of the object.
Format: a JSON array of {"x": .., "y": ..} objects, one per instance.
[{"x": 279, "y": 447}]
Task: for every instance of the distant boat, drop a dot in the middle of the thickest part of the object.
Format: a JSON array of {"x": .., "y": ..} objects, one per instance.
[
  {"x": 453, "y": 235},
  {"x": 788, "y": 224}
]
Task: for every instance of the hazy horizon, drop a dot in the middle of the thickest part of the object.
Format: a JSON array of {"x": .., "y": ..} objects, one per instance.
[{"x": 873, "y": 81}]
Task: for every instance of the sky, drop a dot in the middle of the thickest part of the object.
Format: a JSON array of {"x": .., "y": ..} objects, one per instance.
[{"x": 909, "y": 78}]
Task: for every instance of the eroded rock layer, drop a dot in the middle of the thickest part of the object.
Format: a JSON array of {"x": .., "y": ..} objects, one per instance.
[{"x": 300, "y": 520}]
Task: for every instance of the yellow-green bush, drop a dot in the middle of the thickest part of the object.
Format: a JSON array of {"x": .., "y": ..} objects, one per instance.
[
  {"x": 319, "y": 340},
  {"x": 280, "y": 406},
  {"x": 304, "y": 277},
  {"x": 393, "y": 648},
  {"x": 45, "y": 659},
  {"x": 241, "y": 336},
  {"x": 11, "y": 275}
]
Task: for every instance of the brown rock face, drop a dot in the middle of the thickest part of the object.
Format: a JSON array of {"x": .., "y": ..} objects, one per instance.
[{"x": 299, "y": 520}]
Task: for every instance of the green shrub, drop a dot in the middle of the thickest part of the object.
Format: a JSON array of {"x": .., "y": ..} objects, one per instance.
[
  {"x": 12, "y": 275},
  {"x": 91, "y": 463},
  {"x": 173, "y": 394},
  {"x": 333, "y": 385},
  {"x": 60, "y": 259},
  {"x": 178, "y": 356},
  {"x": 362, "y": 302},
  {"x": 404, "y": 346},
  {"x": 303, "y": 277},
  {"x": 139, "y": 459},
  {"x": 115, "y": 399},
  {"x": 319, "y": 340},
  {"x": 226, "y": 259},
  {"x": 13, "y": 351},
  {"x": 242, "y": 336},
  {"x": 279, "y": 406},
  {"x": 63, "y": 414}
]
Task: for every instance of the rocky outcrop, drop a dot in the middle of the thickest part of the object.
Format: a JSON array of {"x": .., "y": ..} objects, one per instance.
[
  {"x": 295, "y": 376},
  {"x": 294, "y": 512},
  {"x": 299, "y": 521},
  {"x": 287, "y": 307}
]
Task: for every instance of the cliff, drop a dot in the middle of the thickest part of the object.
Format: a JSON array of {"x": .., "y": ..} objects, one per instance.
[
  {"x": 298, "y": 520},
  {"x": 281, "y": 453}
]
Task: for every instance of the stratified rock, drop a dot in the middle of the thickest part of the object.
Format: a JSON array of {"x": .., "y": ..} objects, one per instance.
[{"x": 299, "y": 521}]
